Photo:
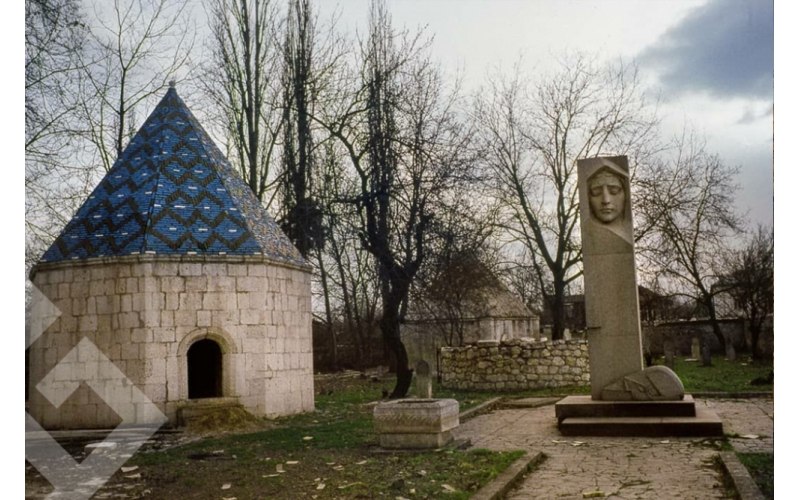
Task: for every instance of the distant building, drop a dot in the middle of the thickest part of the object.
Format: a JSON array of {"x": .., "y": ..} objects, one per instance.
[{"x": 493, "y": 313}]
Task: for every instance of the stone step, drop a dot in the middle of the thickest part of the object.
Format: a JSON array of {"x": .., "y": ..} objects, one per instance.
[
  {"x": 198, "y": 408},
  {"x": 585, "y": 407},
  {"x": 705, "y": 424}
]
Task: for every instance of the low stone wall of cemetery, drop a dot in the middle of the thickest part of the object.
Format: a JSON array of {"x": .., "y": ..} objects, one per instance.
[{"x": 515, "y": 365}]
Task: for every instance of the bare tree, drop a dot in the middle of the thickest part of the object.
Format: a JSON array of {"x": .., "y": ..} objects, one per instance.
[
  {"x": 242, "y": 83},
  {"x": 454, "y": 285},
  {"x": 55, "y": 37},
  {"x": 749, "y": 276},
  {"x": 405, "y": 145},
  {"x": 532, "y": 136},
  {"x": 135, "y": 48},
  {"x": 690, "y": 206},
  {"x": 310, "y": 55}
]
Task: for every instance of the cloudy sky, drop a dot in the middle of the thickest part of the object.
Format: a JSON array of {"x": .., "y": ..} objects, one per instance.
[{"x": 710, "y": 61}]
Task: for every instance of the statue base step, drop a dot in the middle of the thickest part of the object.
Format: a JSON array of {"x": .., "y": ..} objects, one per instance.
[{"x": 582, "y": 416}]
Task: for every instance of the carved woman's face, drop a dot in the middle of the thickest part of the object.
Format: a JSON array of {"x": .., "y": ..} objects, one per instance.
[{"x": 606, "y": 197}]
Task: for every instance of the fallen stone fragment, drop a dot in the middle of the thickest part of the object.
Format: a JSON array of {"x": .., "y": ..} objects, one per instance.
[
  {"x": 666, "y": 441},
  {"x": 226, "y": 486},
  {"x": 321, "y": 486},
  {"x": 279, "y": 468},
  {"x": 129, "y": 469},
  {"x": 308, "y": 438},
  {"x": 750, "y": 436},
  {"x": 449, "y": 488},
  {"x": 271, "y": 475},
  {"x": 360, "y": 463},
  {"x": 345, "y": 486},
  {"x": 292, "y": 462},
  {"x": 134, "y": 476},
  {"x": 594, "y": 494}
]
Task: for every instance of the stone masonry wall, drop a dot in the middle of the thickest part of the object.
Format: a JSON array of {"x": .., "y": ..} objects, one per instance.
[
  {"x": 515, "y": 364},
  {"x": 144, "y": 312}
]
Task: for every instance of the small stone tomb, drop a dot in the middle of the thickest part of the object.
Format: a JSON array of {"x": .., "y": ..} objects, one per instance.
[{"x": 416, "y": 423}]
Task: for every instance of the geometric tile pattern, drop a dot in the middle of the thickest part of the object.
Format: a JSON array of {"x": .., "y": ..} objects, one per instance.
[{"x": 171, "y": 192}]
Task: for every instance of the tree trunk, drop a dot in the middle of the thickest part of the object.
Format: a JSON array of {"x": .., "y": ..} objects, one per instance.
[
  {"x": 390, "y": 328},
  {"x": 557, "y": 309},
  {"x": 755, "y": 335}
]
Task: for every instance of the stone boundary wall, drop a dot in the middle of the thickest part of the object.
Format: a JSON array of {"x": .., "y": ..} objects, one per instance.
[{"x": 515, "y": 365}]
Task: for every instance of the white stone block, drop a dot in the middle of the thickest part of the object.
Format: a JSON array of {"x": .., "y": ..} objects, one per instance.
[
  {"x": 222, "y": 284},
  {"x": 197, "y": 283},
  {"x": 253, "y": 317},
  {"x": 193, "y": 269},
  {"x": 258, "y": 270},
  {"x": 215, "y": 301},
  {"x": 203, "y": 318},
  {"x": 217, "y": 269},
  {"x": 149, "y": 284},
  {"x": 237, "y": 270},
  {"x": 129, "y": 351},
  {"x": 224, "y": 318},
  {"x": 165, "y": 269},
  {"x": 186, "y": 318}
]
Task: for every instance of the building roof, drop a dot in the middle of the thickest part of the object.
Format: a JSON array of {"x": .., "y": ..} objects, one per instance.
[{"x": 171, "y": 192}]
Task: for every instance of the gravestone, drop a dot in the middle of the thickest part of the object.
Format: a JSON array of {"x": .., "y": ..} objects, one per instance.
[
  {"x": 730, "y": 351},
  {"x": 669, "y": 354},
  {"x": 424, "y": 387},
  {"x": 705, "y": 352},
  {"x": 695, "y": 347}
]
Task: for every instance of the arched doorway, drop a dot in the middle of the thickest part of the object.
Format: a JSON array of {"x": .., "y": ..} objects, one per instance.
[{"x": 204, "y": 361}]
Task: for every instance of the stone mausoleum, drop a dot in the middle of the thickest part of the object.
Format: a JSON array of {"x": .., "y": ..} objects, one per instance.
[{"x": 178, "y": 275}]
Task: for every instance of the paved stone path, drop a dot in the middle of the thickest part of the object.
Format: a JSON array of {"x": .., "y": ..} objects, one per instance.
[
  {"x": 622, "y": 468},
  {"x": 747, "y": 417}
]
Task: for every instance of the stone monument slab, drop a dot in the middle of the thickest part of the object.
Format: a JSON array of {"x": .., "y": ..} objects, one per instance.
[{"x": 612, "y": 299}]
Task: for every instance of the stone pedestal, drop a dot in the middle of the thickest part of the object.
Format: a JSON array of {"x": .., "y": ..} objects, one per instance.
[
  {"x": 583, "y": 416},
  {"x": 416, "y": 423}
]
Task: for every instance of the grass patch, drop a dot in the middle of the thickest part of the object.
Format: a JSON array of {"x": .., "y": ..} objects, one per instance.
[
  {"x": 761, "y": 467},
  {"x": 331, "y": 453},
  {"x": 722, "y": 375}
]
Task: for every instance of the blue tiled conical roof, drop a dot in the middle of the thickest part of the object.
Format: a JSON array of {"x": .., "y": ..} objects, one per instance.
[{"x": 171, "y": 192}]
